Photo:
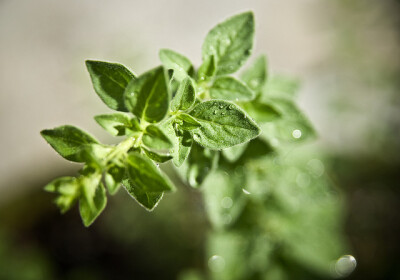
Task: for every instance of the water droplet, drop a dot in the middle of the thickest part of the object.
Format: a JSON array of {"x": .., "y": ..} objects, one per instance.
[
  {"x": 254, "y": 83},
  {"x": 245, "y": 116},
  {"x": 223, "y": 113},
  {"x": 192, "y": 177},
  {"x": 274, "y": 142},
  {"x": 226, "y": 219},
  {"x": 221, "y": 106},
  {"x": 303, "y": 180},
  {"x": 230, "y": 107},
  {"x": 215, "y": 112},
  {"x": 132, "y": 94},
  {"x": 227, "y": 202},
  {"x": 226, "y": 41},
  {"x": 237, "y": 99},
  {"x": 216, "y": 263},
  {"x": 196, "y": 136},
  {"x": 345, "y": 265},
  {"x": 316, "y": 167},
  {"x": 245, "y": 191},
  {"x": 296, "y": 133}
]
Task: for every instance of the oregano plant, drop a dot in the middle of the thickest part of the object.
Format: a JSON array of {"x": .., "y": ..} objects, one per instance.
[{"x": 229, "y": 135}]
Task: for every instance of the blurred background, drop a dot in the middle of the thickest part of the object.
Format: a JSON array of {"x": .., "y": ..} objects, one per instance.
[{"x": 345, "y": 53}]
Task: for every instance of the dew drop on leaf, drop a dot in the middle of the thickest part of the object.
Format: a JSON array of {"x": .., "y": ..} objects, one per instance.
[
  {"x": 216, "y": 263},
  {"x": 296, "y": 133},
  {"x": 226, "y": 202},
  {"x": 226, "y": 219},
  {"x": 245, "y": 191},
  {"x": 254, "y": 83},
  {"x": 345, "y": 265}
]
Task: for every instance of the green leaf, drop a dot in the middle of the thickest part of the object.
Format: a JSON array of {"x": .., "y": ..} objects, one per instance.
[
  {"x": 113, "y": 177},
  {"x": 261, "y": 112},
  {"x": 224, "y": 196},
  {"x": 154, "y": 138},
  {"x": 230, "y": 42},
  {"x": 233, "y": 153},
  {"x": 149, "y": 200},
  {"x": 148, "y": 96},
  {"x": 255, "y": 76},
  {"x": 201, "y": 163},
  {"x": 207, "y": 69},
  {"x": 187, "y": 122},
  {"x": 229, "y": 88},
  {"x": 180, "y": 64},
  {"x": 118, "y": 124},
  {"x": 185, "y": 96},
  {"x": 223, "y": 125},
  {"x": 110, "y": 81},
  {"x": 181, "y": 139},
  {"x": 94, "y": 155},
  {"x": 279, "y": 86},
  {"x": 68, "y": 141},
  {"x": 145, "y": 175},
  {"x": 93, "y": 198},
  {"x": 67, "y": 189},
  {"x": 292, "y": 127},
  {"x": 156, "y": 156}
]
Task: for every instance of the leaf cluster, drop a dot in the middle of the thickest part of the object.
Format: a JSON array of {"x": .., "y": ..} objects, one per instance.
[{"x": 196, "y": 118}]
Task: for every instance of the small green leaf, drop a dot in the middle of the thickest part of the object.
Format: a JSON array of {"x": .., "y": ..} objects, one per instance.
[
  {"x": 144, "y": 174},
  {"x": 180, "y": 64},
  {"x": 181, "y": 139},
  {"x": 279, "y": 86},
  {"x": 118, "y": 124},
  {"x": 154, "y": 138},
  {"x": 110, "y": 81},
  {"x": 68, "y": 141},
  {"x": 113, "y": 178},
  {"x": 201, "y": 162},
  {"x": 94, "y": 155},
  {"x": 225, "y": 196},
  {"x": 233, "y": 153},
  {"x": 93, "y": 198},
  {"x": 157, "y": 157},
  {"x": 223, "y": 125},
  {"x": 185, "y": 96},
  {"x": 67, "y": 189},
  {"x": 229, "y": 88},
  {"x": 261, "y": 112},
  {"x": 256, "y": 75},
  {"x": 207, "y": 69},
  {"x": 230, "y": 42},
  {"x": 292, "y": 127},
  {"x": 148, "y": 96},
  {"x": 188, "y": 122},
  {"x": 149, "y": 200}
]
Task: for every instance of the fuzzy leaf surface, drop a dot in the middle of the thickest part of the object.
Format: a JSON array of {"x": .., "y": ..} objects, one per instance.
[
  {"x": 180, "y": 64},
  {"x": 117, "y": 124},
  {"x": 230, "y": 42},
  {"x": 223, "y": 125},
  {"x": 229, "y": 88},
  {"x": 68, "y": 141},
  {"x": 148, "y": 96},
  {"x": 110, "y": 81},
  {"x": 185, "y": 96}
]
